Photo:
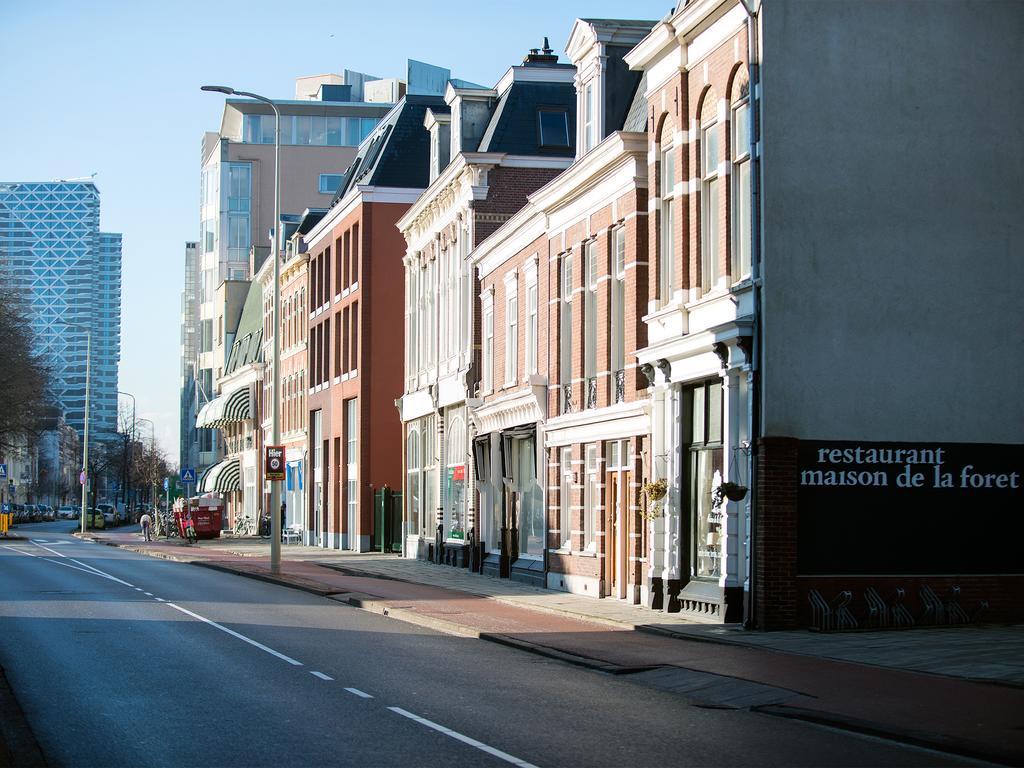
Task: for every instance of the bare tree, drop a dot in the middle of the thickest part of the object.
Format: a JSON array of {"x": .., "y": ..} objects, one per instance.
[{"x": 24, "y": 378}]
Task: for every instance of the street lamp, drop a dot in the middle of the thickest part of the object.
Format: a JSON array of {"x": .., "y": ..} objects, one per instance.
[
  {"x": 85, "y": 436},
  {"x": 275, "y": 407}
]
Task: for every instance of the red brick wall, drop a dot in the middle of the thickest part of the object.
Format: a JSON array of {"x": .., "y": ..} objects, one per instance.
[{"x": 775, "y": 544}]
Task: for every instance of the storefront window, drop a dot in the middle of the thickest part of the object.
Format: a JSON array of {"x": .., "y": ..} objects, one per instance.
[
  {"x": 455, "y": 480},
  {"x": 706, "y": 457},
  {"x": 531, "y": 517}
]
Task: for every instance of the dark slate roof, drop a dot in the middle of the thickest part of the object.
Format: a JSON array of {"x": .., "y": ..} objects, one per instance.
[
  {"x": 248, "y": 346},
  {"x": 636, "y": 117},
  {"x": 515, "y": 127},
  {"x": 620, "y": 86},
  {"x": 397, "y": 153}
]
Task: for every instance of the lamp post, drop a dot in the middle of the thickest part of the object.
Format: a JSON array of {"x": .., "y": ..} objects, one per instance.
[
  {"x": 275, "y": 407},
  {"x": 127, "y": 466},
  {"x": 85, "y": 434}
]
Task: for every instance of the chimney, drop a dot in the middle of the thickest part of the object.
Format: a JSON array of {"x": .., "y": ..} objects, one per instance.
[{"x": 541, "y": 57}]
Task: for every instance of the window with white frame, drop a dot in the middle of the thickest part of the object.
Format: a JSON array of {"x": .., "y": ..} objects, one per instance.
[
  {"x": 411, "y": 311},
  {"x": 428, "y": 459},
  {"x": 590, "y": 322},
  {"x": 351, "y": 466},
  {"x": 413, "y": 486},
  {"x": 740, "y": 250},
  {"x": 710, "y": 194},
  {"x": 531, "y": 329},
  {"x": 565, "y": 335},
  {"x": 565, "y": 499},
  {"x": 589, "y": 117},
  {"x": 667, "y": 239},
  {"x": 462, "y": 289},
  {"x": 591, "y": 501},
  {"x": 455, "y": 478},
  {"x": 511, "y": 330},
  {"x": 487, "y": 374},
  {"x": 618, "y": 300}
]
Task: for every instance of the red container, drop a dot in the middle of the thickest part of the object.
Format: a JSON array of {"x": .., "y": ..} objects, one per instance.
[{"x": 207, "y": 522}]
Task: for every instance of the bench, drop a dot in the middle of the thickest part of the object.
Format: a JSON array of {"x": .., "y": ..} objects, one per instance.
[{"x": 292, "y": 534}]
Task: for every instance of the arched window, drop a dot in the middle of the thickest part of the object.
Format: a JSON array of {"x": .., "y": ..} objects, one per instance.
[
  {"x": 739, "y": 266},
  {"x": 710, "y": 193},
  {"x": 455, "y": 479}
]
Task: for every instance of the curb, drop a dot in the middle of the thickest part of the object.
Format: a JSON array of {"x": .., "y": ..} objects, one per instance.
[{"x": 937, "y": 742}]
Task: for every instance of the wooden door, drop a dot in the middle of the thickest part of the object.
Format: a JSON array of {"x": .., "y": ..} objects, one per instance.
[{"x": 611, "y": 538}]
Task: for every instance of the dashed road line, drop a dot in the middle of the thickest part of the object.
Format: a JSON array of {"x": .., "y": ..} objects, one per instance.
[
  {"x": 321, "y": 675},
  {"x": 357, "y": 692},
  {"x": 464, "y": 739}
]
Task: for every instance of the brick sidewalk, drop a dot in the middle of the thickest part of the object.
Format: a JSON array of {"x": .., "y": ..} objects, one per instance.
[{"x": 736, "y": 670}]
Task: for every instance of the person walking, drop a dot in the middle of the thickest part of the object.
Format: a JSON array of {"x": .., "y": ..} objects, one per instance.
[
  {"x": 284, "y": 515},
  {"x": 147, "y": 523}
]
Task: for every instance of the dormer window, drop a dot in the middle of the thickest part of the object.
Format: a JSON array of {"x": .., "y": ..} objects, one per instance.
[{"x": 554, "y": 128}]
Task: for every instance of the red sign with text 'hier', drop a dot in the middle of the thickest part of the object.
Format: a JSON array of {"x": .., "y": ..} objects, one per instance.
[{"x": 273, "y": 467}]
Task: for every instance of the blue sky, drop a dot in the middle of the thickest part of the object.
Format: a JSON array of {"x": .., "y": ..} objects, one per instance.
[{"x": 112, "y": 88}]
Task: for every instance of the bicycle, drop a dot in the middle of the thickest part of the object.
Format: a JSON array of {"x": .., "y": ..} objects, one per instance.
[{"x": 244, "y": 526}]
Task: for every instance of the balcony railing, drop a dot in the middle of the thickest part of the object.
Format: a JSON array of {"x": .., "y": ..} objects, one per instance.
[
  {"x": 567, "y": 403},
  {"x": 592, "y": 392},
  {"x": 620, "y": 386}
]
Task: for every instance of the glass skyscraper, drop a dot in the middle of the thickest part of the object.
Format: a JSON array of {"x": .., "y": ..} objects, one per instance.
[{"x": 53, "y": 254}]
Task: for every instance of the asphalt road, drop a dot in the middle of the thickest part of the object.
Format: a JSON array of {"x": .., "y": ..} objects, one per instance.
[{"x": 122, "y": 660}]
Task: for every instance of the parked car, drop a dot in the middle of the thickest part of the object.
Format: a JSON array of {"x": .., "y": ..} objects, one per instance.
[
  {"x": 19, "y": 512},
  {"x": 31, "y": 513},
  {"x": 46, "y": 512},
  {"x": 68, "y": 512},
  {"x": 109, "y": 514}
]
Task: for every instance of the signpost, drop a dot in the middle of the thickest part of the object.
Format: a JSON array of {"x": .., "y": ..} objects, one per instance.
[{"x": 274, "y": 466}]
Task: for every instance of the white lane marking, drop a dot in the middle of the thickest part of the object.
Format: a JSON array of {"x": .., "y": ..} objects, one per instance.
[
  {"x": 95, "y": 570},
  {"x": 138, "y": 589},
  {"x": 159, "y": 599},
  {"x": 359, "y": 693},
  {"x": 464, "y": 739},
  {"x": 91, "y": 572},
  {"x": 148, "y": 594},
  {"x": 232, "y": 632},
  {"x": 321, "y": 675}
]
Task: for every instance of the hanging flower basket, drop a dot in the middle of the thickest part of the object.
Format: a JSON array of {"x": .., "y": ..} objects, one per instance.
[
  {"x": 730, "y": 491},
  {"x": 655, "y": 493}
]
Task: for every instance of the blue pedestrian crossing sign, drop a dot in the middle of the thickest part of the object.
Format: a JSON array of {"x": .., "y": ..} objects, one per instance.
[
  {"x": 3, "y": 471},
  {"x": 188, "y": 475},
  {"x": 167, "y": 483}
]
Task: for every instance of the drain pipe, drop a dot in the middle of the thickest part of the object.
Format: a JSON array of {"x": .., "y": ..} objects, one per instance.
[{"x": 753, "y": 9}]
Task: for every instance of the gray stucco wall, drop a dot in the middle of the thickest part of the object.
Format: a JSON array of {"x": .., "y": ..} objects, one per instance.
[{"x": 894, "y": 229}]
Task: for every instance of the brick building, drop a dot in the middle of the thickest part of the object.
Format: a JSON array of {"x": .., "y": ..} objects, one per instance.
[
  {"x": 489, "y": 149},
  {"x": 355, "y": 358},
  {"x": 562, "y": 419}
]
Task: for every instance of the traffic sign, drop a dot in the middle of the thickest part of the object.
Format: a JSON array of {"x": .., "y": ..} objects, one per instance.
[
  {"x": 3, "y": 471},
  {"x": 274, "y": 466},
  {"x": 188, "y": 475},
  {"x": 167, "y": 483}
]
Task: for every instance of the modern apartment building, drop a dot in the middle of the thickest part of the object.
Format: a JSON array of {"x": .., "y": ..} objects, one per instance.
[
  {"x": 188, "y": 455},
  {"x": 489, "y": 149},
  {"x": 53, "y": 253},
  {"x": 320, "y": 130}
]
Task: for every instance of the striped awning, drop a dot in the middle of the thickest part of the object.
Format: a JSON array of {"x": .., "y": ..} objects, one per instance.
[
  {"x": 222, "y": 478},
  {"x": 234, "y": 406}
]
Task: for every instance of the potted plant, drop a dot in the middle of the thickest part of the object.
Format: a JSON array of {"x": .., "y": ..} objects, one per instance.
[
  {"x": 728, "y": 490},
  {"x": 654, "y": 491}
]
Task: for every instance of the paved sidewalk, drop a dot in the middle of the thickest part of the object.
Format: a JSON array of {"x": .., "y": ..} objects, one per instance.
[{"x": 921, "y": 686}]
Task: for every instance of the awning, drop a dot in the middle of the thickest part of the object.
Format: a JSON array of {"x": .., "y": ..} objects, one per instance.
[
  {"x": 235, "y": 406},
  {"x": 222, "y": 478}
]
